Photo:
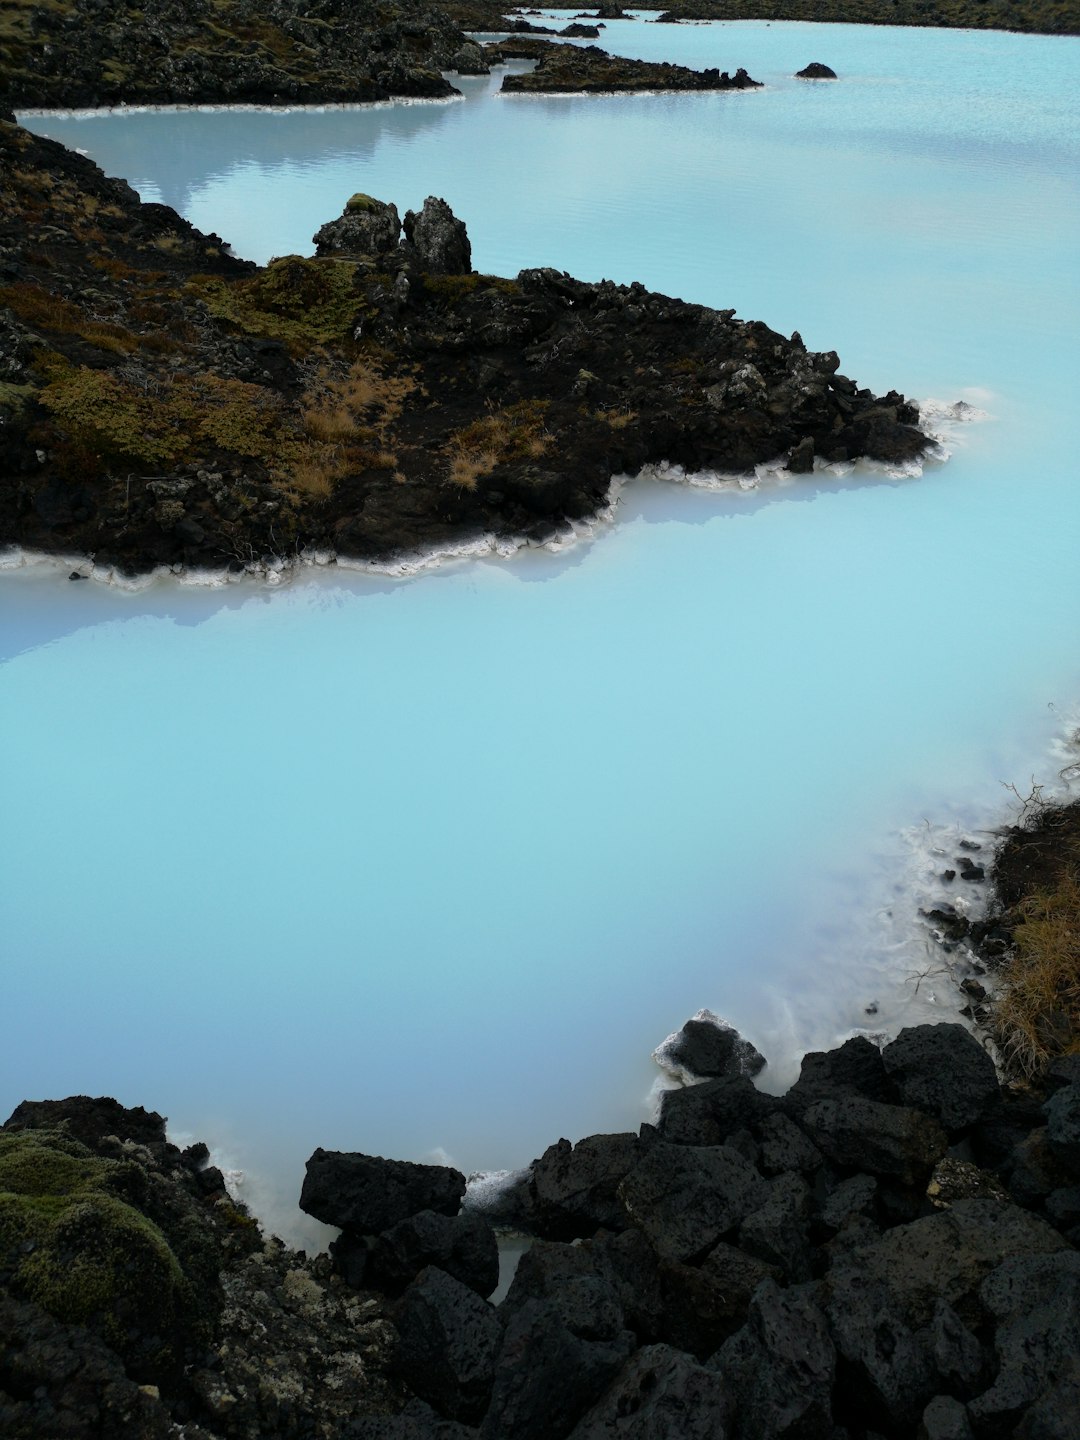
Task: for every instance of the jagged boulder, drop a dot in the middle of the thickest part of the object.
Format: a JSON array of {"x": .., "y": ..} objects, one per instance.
[
  {"x": 879, "y": 1139},
  {"x": 462, "y": 1245},
  {"x": 573, "y": 1189},
  {"x": 659, "y": 1393},
  {"x": 366, "y": 227},
  {"x": 709, "y": 1048},
  {"x": 448, "y": 1338},
  {"x": 369, "y": 1194},
  {"x": 944, "y": 1071},
  {"x": 707, "y": 1114},
  {"x": 438, "y": 239},
  {"x": 577, "y": 1281},
  {"x": 685, "y": 1198}
]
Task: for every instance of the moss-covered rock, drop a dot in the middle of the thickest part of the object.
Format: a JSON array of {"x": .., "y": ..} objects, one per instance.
[{"x": 73, "y": 1246}]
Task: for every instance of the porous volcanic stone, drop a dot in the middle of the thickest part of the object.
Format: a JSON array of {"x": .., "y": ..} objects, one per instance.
[
  {"x": 577, "y": 1281},
  {"x": 660, "y": 1394},
  {"x": 370, "y": 1194},
  {"x": 942, "y": 1070},
  {"x": 707, "y": 1047},
  {"x": 462, "y": 1245},
  {"x": 448, "y": 1340},
  {"x": 707, "y": 1114},
  {"x": 779, "y": 1368},
  {"x": 573, "y": 1187},
  {"x": 1063, "y": 1127},
  {"x": 879, "y": 1139},
  {"x": 439, "y": 239},
  {"x": 365, "y": 227},
  {"x": 685, "y": 1198}
]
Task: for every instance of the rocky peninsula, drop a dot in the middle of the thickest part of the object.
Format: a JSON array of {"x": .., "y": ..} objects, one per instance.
[
  {"x": 165, "y": 404},
  {"x": 587, "y": 69}
]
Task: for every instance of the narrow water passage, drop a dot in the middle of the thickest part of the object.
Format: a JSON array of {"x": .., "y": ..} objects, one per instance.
[{"x": 401, "y": 865}]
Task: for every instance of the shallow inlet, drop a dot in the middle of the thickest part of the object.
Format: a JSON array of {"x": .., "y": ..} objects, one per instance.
[{"x": 398, "y": 866}]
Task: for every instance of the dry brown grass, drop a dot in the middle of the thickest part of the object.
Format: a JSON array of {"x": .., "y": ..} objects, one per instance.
[
  {"x": 1037, "y": 1012},
  {"x": 514, "y": 433},
  {"x": 347, "y": 426}
]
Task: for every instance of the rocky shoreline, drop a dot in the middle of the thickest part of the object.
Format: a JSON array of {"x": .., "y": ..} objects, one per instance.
[
  {"x": 887, "y": 1250},
  {"x": 164, "y": 404},
  {"x": 587, "y": 69}
]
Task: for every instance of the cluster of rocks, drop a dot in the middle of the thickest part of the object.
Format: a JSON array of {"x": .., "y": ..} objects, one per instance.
[
  {"x": 887, "y": 1250},
  {"x": 199, "y": 52}
]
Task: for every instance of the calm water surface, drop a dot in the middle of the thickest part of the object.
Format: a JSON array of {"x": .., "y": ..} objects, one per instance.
[{"x": 422, "y": 864}]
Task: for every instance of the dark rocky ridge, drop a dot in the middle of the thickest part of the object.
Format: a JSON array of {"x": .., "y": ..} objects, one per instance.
[
  {"x": 173, "y": 52},
  {"x": 587, "y": 69},
  {"x": 163, "y": 403},
  {"x": 865, "y": 1256}
]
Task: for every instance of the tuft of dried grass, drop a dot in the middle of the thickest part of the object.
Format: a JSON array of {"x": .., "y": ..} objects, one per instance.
[{"x": 1037, "y": 1011}]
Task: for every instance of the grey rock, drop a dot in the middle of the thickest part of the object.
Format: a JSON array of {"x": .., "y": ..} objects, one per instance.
[
  {"x": 573, "y": 1189},
  {"x": 577, "y": 1282},
  {"x": 439, "y": 239},
  {"x": 686, "y": 1198},
  {"x": 463, "y": 1245},
  {"x": 785, "y": 1147},
  {"x": 370, "y": 1194},
  {"x": 705, "y": 1304},
  {"x": 366, "y": 227},
  {"x": 707, "y": 1114},
  {"x": 470, "y": 60},
  {"x": 660, "y": 1394},
  {"x": 1063, "y": 1126},
  {"x": 866, "y": 1135},
  {"x": 448, "y": 1339},
  {"x": 853, "y": 1197},
  {"x": 1036, "y": 1303},
  {"x": 709, "y": 1048},
  {"x": 945, "y": 1419},
  {"x": 944, "y": 1071},
  {"x": 547, "y": 1377},
  {"x": 780, "y": 1369},
  {"x": 778, "y": 1231}
]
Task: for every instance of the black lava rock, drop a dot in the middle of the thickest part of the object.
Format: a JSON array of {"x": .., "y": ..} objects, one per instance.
[{"x": 370, "y": 1194}]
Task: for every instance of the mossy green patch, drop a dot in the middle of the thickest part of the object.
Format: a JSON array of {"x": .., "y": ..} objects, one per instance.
[
  {"x": 303, "y": 302},
  {"x": 359, "y": 203},
  {"x": 86, "y": 1255}
]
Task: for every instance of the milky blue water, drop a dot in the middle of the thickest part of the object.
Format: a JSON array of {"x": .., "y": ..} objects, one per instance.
[{"x": 433, "y": 863}]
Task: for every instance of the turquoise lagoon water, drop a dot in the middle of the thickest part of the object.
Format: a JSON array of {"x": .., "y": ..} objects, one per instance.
[{"x": 428, "y": 864}]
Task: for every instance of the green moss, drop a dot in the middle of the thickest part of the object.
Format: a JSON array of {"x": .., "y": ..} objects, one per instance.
[
  {"x": 13, "y": 398},
  {"x": 305, "y": 303},
  {"x": 86, "y": 1255},
  {"x": 451, "y": 287},
  {"x": 123, "y": 423},
  {"x": 358, "y": 203}
]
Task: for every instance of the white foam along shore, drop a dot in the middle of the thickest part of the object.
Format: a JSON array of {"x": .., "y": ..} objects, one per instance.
[{"x": 940, "y": 420}]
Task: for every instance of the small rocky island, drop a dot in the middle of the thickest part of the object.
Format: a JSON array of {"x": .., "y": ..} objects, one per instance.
[
  {"x": 165, "y": 404},
  {"x": 587, "y": 69}
]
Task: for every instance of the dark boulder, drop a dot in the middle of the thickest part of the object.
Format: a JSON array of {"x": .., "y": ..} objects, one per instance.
[
  {"x": 779, "y": 1369},
  {"x": 884, "y": 1300},
  {"x": 778, "y": 1231},
  {"x": 1063, "y": 1127},
  {"x": 945, "y": 1419},
  {"x": 438, "y": 239},
  {"x": 447, "y": 1342},
  {"x": 784, "y": 1147},
  {"x": 577, "y": 31},
  {"x": 944, "y": 1071},
  {"x": 815, "y": 71},
  {"x": 366, "y": 227},
  {"x": 708, "y": 1048},
  {"x": 547, "y": 1377},
  {"x": 707, "y": 1114},
  {"x": 462, "y": 1245},
  {"x": 635, "y": 1269},
  {"x": 660, "y": 1394},
  {"x": 470, "y": 60},
  {"x": 370, "y": 1194},
  {"x": 573, "y": 1190},
  {"x": 577, "y": 1282},
  {"x": 878, "y": 1139},
  {"x": 705, "y": 1304},
  {"x": 1035, "y": 1302},
  {"x": 854, "y": 1066},
  {"x": 686, "y": 1198},
  {"x": 89, "y": 1120}
]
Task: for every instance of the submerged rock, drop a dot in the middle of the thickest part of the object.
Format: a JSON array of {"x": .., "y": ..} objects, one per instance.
[{"x": 815, "y": 71}]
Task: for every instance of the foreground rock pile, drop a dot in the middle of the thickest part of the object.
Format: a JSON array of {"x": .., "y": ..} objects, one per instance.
[{"x": 889, "y": 1250}]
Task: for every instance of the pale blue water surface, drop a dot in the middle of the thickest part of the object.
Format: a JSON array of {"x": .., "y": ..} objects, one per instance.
[{"x": 433, "y": 863}]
